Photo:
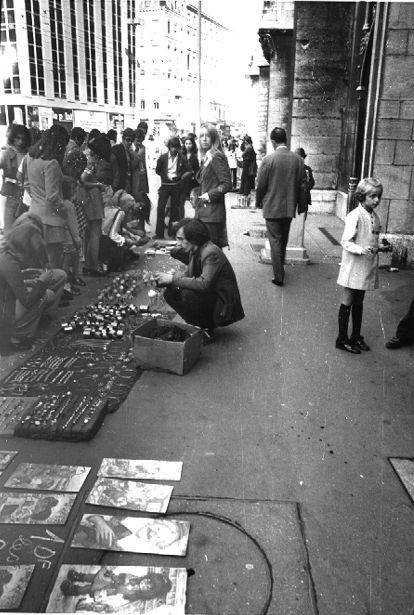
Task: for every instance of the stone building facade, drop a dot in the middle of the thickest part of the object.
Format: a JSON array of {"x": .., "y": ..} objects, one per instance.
[{"x": 339, "y": 78}]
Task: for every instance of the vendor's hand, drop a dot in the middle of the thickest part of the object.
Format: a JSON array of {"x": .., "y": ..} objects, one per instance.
[
  {"x": 47, "y": 277},
  {"x": 205, "y": 197},
  {"x": 367, "y": 251},
  {"x": 163, "y": 279}
]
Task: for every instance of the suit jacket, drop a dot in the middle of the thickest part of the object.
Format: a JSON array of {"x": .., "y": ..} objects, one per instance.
[
  {"x": 214, "y": 178},
  {"x": 210, "y": 271},
  {"x": 162, "y": 168},
  {"x": 279, "y": 180},
  {"x": 121, "y": 168}
]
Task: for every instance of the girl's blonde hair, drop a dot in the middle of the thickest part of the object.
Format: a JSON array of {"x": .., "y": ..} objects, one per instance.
[
  {"x": 215, "y": 138},
  {"x": 366, "y": 185}
]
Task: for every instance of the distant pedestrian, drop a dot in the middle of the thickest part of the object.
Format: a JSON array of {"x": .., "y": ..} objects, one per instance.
[
  {"x": 310, "y": 182},
  {"x": 190, "y": 152},
  {"x": 232, "y": 160},
  {"x": 18, "y": 141},
  {"x": 215, "y": 180},
  {"x": 112, "y": 136},
  {"x": 279, "y": 181},
  {"x": 404, "y": 335},
  {"x": 359, "y": 266},
  {"x": 139, "y": 175},
  {"x": 249, "y": 168}
]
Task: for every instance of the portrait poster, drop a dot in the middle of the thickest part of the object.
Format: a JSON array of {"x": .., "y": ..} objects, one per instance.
[
  {"x": 13, "y": 584},
  {"x": 6, "y": 457},
  {"x": 159, "y": 536},
  {"x": 404, "y": 467},
  {"x": 47, "y": 477},
  {"x": 131, "y": 495},
  {"x": 141, "y": 469},
  {"x": 35, "y": 508},
  {"x": 119, "y": 589}
]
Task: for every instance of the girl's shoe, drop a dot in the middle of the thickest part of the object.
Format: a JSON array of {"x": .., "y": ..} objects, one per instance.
[
  {"x": 347, "y": 346},
  {"x": 360, "y": 343},
  {"x": 79, "y": 281}
]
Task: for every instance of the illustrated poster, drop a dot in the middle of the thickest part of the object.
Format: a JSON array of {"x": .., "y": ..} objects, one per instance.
[
  {"x": 130, "y": 494},
  {"x": 141, "y": 468},
  {"x": 35, "y": 508},
  {"x": 48, "y": 477},
  {"x": 134, "y": 534},
  {"x": 6, "y": 457},
  {"x": 118, "y": 589},
  {"x": 13, "y": 584}
]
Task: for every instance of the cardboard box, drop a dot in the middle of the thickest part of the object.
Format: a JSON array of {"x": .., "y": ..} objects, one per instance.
[{"x": 175, "y": 357}]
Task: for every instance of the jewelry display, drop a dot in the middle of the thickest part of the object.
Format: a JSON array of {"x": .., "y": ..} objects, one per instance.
[{"x": 11, "y": 411}]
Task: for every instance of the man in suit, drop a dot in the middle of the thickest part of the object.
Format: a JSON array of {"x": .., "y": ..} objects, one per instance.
[
  {"x": 172, "y": 167},
  {"x": 279, "y": 181},
  {"x": 121, "y": 162}
]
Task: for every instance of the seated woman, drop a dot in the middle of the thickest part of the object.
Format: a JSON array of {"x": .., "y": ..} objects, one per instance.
[
  {"x": 21, "y": 307},
  {"x": 207, "y": 294}
]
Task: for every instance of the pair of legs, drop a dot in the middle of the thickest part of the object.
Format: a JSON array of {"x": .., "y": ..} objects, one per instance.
[
  {"x": 352, "y": 302},
  {"x": 10, "y": 210},
  {"x": 27, "y": 320},
  {"x": 194, "y": 307},
  {"x": 234, "y": 178},
  {"x": 278, "y": 235},
  {"x": 92, "y": 236},
  {"x": 165, "y": 192}
]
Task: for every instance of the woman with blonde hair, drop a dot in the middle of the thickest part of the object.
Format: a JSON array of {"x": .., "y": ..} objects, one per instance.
[{"x": 215, "y": 180}]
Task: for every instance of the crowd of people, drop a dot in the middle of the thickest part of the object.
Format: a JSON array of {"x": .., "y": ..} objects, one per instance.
[{"x": 77, "y": 205}]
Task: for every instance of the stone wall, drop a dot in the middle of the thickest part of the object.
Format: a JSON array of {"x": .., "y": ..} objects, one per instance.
[
  {"x": 323, "y": 34},
  {"x": 394, "y": 151}
]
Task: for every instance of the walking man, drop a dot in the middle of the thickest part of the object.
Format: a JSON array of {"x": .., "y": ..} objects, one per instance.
[{"x": 279, "y": 181}]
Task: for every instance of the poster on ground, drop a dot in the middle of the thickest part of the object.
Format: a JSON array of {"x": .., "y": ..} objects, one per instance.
[
  {"x": 129, "y": 494},
  {"x": 119, "y": 589},
  {"x": 13, "y": 584},
  {"x": 6, "y": 457},
  {"x": 134, "y": 534},
  {"x": 141, "y": 469},
  {"x": 34, "y": 508},
  {"x": 48, "y": 477},
  {"x": 405, "y": 470}
]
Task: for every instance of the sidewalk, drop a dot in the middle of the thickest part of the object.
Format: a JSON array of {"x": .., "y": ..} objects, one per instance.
[{"x": 286, "y": 437}]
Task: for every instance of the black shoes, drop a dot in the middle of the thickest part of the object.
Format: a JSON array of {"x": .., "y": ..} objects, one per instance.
[
  {"x": 277, "y": 283},
  {"x": 395, "y": 342},
  {"x": 360, "y": 343},
  {"x": 347, "y": 346}
]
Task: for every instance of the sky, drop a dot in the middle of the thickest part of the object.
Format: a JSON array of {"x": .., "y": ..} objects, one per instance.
[{"x": 242, "y": 18}]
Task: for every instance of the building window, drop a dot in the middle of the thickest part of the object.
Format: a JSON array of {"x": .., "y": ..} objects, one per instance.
[
  {"x": 34, "y": 37},
  {"x": 131, "y": 52},
  {"x": 117, "y": 51},
  {"x": 58, "y": 53},
  {"x": 90, "y": 52},
  {"x": 8, "y": 49},
  {"x": 156, "y": 104},
  {"x": 104, "y": 52},
  {"x": 142, "y": 105},
  {"x": 75, "y": 57}
]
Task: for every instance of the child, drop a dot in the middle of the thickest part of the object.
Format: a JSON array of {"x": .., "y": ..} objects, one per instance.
[{"x": 359, "y": 267}]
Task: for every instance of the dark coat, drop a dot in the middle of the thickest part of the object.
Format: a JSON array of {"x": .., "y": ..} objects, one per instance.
[
  {"x": 217, "y": 276},
  {"x": 162, "y": 168},
  {"x": 121, "y": 168},
  {"x": 214, "y": 178},
  {"x": 279, "y": 182}
]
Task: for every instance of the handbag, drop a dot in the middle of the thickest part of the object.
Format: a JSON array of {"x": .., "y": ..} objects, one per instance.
[{"x": 21, "y": 208}]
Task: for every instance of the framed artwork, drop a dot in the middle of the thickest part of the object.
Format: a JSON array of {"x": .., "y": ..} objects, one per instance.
[
  {"x": 6, "y": 457},
  {"x": 13, "y": 584}
]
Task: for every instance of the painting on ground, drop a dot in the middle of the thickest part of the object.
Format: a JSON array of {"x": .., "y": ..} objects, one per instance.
[
  {"x": 48, "y": 477},
  {"x": 34, "y": 508},
  {"x": 130, "y": 494},
  {"x": 141, "y": 469},
  {"x": 119, "y": 589},
  {"x": 134, "y": 534}
]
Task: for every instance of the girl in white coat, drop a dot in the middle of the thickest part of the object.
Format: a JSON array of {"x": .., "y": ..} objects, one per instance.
[{"x": 359, "y": 266}]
